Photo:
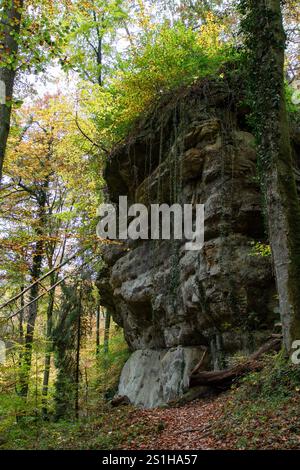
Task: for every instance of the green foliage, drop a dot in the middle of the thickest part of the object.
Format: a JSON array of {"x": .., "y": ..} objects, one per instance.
[
  {"x": 261, "y": 249},
  {"x": 156, "y": 58},
  {"x": 111, "y": 363},
  {"x": 162, "y": 60},
  {"x": 292, "y": 108},
  {"x": 90, "y": 47},
  {"x": 106, "y": 429},
  {"x": 278, "y": 380},
  {"x": 99, "y": 426},
  {"x": 43, "y": 32}
]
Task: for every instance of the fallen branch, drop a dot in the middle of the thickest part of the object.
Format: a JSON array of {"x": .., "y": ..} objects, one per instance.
[
  {"x": 225, "y": 377},
  {"x": 204, "y": 429},
  {"x": 198, "y": 366}
]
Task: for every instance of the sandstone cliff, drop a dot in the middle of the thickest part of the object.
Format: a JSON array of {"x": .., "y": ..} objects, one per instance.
[{"x": 195, "y": 148}]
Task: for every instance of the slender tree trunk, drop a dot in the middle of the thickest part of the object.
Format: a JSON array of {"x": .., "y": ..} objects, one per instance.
[
  {"x": 99, "y": 60},
  {"x": 21, "y": 327},
  {"x": 86, "y": 390},
  {"x": 47, "y": 360},
  {"x": 36, "y": 269},
  {"x": 33, "y": 308},
  {"x": 266, "y": 42},
  {"x": 98, "y": 329},
  {"x": 77, "y": 375},
  {"x": 99, "y": 47},
  {"x": 106, "y": 332},
  {"x": 49, "y": 346},
  {"x": 9, "y": 32}
]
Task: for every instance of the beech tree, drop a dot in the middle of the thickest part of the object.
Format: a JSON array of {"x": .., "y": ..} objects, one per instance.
[
  {"x": 32, "y": 34},
  {"x": 90, "y": 45}
]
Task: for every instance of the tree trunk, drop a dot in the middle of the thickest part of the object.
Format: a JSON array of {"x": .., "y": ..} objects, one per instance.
[
  {"x": 106, "y": 332},
  {"x": 36, "y": 269},
  {"x": 33, "y": 308},
  {"x": 99, "y": 47},
  {"x": 47, "y": 360},
  {"x": 266, "y": 42},
  {"x": 49, "y": 346},
  {"x": 10, "y": 29},
  {"x": 21, "y": 327},
  {"x": 98, "y": 329},
  {"x": 77, "y": 376}
]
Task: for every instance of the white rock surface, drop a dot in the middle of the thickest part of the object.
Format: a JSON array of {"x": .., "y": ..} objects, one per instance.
[{"x": 152, "y": 378}]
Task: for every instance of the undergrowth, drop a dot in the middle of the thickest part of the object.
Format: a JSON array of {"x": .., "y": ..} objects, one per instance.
[
  {"x": 263, "y": 412},
  {"x": 100, "y": 426}
]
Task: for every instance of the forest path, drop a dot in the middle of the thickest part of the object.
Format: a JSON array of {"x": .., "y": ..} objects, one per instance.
[{"x": 187, "y": 427}]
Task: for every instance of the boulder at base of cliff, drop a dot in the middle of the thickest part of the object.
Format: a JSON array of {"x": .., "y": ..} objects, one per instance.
[{"x": 152, "y": 378}]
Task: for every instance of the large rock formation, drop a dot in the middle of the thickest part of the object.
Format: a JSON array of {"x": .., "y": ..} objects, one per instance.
[{"x": 195, "y": 148}]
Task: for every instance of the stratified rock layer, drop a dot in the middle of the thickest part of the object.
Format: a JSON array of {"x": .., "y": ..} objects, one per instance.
[{"x": 196, "y": 149}]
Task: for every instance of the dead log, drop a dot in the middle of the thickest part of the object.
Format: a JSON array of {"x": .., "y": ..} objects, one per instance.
[{"x": 223, "y": 378}]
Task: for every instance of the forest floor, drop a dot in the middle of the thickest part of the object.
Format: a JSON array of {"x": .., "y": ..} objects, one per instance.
[
  {"x": 184, "y": 428},
  {"x": 262, "y": 411},
  {"x": 218, "y": 424}
]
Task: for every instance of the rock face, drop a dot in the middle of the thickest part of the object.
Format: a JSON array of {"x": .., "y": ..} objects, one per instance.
[
  {"x": 152, "y": 378},
  {"x": 171, "y": 302}
]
